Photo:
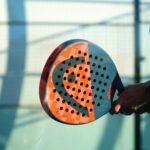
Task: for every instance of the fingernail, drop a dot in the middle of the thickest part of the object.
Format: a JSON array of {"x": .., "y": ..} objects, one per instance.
[{"x": 117, "y": 108}]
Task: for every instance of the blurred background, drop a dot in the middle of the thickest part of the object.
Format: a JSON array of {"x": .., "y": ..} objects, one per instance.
[{"x": 30, "y": 30}]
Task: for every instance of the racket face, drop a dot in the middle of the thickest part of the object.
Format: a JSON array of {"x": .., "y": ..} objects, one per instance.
[{"x": 76, "y": 83}]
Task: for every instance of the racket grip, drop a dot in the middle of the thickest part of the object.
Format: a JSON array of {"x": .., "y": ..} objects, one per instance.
[{"x": 120, "y": 87}]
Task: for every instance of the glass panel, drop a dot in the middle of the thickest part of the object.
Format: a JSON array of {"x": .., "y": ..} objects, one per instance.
[
  {"x": 32, "y": 129},
  {"x": 145, "y": 71},
  {"x": 145, "y": 47},
  {"x": 145, "y": 12}
]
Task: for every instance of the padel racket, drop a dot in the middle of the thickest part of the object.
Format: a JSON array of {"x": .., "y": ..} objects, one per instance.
[{"x": 78, "y": 82}]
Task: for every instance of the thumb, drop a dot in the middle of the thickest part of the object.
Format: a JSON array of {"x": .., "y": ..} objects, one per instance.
[{"x": 117, "y": 107}]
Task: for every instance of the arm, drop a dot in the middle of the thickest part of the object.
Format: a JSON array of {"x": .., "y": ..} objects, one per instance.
[{"x": 135, "y": 98}]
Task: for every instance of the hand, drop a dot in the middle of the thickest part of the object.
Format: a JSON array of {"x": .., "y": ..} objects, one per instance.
[{"x": 132, "y": 99}]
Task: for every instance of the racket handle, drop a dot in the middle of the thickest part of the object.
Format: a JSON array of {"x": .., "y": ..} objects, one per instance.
[{"x": 117, "y": 85}]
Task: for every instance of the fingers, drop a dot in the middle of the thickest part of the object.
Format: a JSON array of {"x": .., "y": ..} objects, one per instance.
[
  {"x": 131, "y": 100},
  {"x": 117, "y": 108}
]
